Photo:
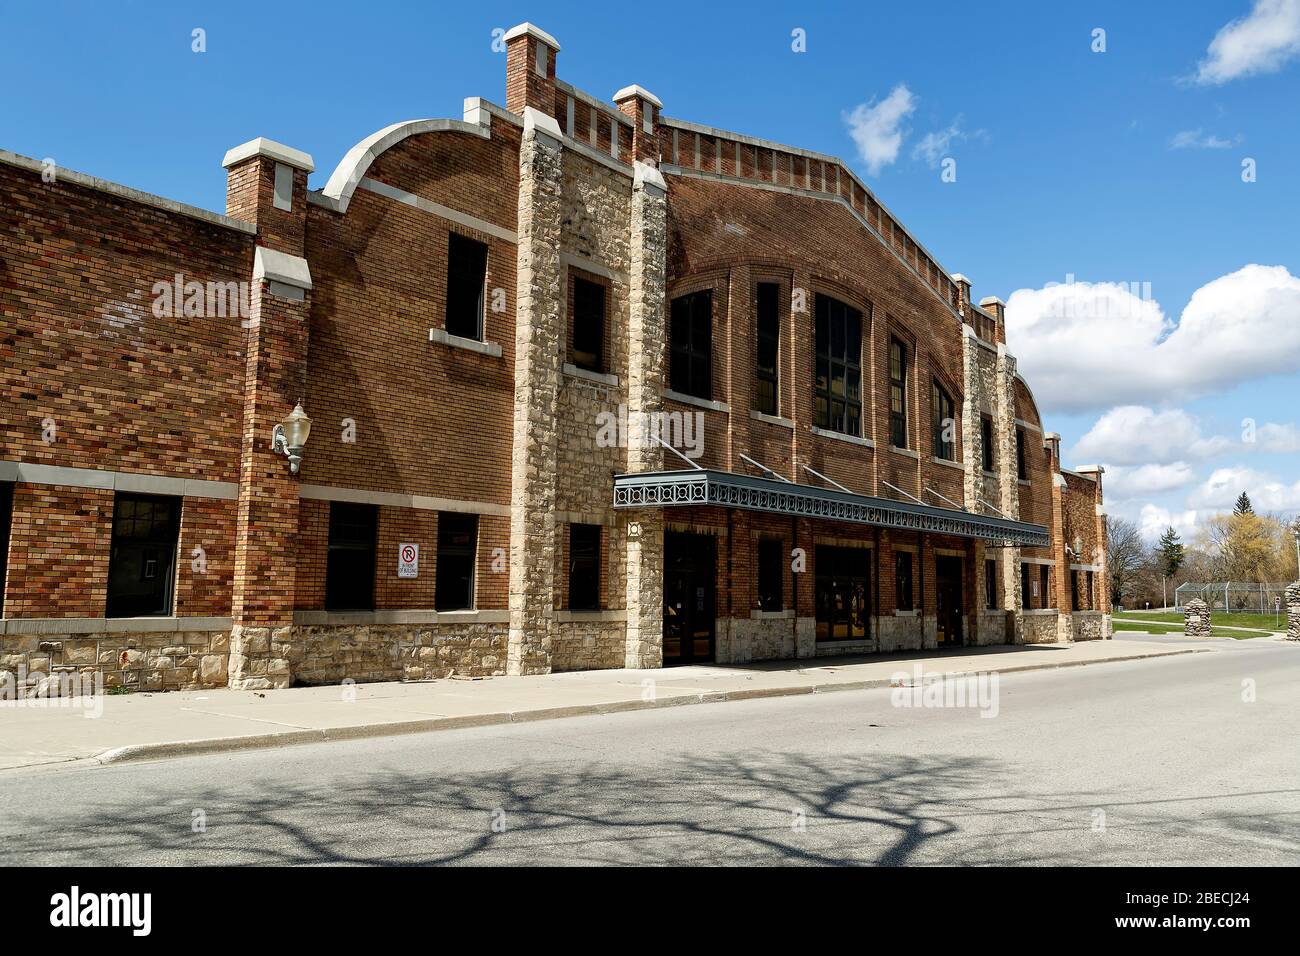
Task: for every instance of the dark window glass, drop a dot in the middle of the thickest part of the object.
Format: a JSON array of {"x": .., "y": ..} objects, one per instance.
[
  {"x": 903, "y": 579},
  {"x": 768, "y": 347},
  {"x": 588, "y": 325},
  {"x": 690, "y": 368},
  {"x": 350, "y": 561},
  {"x": 842, "y": 593},
  {"x": 837, "y": 375},
  {"x": 466, "y": 278},
  {"x": 1089, "y": 596},
  {"x": 453, "y": 586},
  {"x": 945, "y": 424},
  {"x": 991, "y": 585},
  {"x": 6, "y": 525},
  {"x": 986, "y": 437},
  {"x": 1076, "y": 602},
  {"x": 142, "y": 563},
  {"x": 584, "y": 567},
  {"x": 897, "y": 394},
  {"x": 1044, "y": 580},
  {"x": 1020, "y": 454},
  {"x": 771, "y": 575},
  {"x": 1024, "y": 587}
]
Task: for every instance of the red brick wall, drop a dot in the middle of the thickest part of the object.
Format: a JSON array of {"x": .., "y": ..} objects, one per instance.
[
  {"x": 58, "y": 552},
  {"x": 205, "y": 591}
]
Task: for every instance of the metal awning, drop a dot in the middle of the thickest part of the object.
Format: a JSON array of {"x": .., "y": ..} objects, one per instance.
[{"x": 726, "y": 489}]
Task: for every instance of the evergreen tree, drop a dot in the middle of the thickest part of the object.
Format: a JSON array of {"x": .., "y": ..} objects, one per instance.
[
  {"x": 1243, "y": 506},
  {"x": 1170, "y": 553}
]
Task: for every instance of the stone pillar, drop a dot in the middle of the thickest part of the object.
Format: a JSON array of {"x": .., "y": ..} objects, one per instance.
[
  {"x": 539, "y": 331},
  {"x": 645, "y": 382},
  {"x": 267, "y": 185},
  {"x": 1004, "y": 434},
  {"x": 1196, "y": 618},
  {"x": 1292, "y": 600},
  {"x": 972, "y": 435}
]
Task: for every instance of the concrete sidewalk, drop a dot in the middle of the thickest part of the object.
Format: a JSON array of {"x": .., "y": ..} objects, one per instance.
[{"x": 151, "y": 726}]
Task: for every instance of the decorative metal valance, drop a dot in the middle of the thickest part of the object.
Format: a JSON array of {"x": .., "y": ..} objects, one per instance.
[{"x": 725, "y": 489}]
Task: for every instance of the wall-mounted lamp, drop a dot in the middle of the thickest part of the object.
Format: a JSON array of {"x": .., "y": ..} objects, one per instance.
[{"x": 289, "y": 437}]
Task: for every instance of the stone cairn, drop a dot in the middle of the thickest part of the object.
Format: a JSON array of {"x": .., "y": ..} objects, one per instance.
[
  {"x": 1293, "y": 611},
  {"x": 1196, "y": 618}
]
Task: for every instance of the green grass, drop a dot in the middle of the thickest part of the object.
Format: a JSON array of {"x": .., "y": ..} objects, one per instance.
[
  {"x": 1122, "y": 625},
  {"x": 1265, "y": 621}
]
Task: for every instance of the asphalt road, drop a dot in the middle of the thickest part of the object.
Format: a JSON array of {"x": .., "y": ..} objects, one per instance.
[{"x": 1148, "y": 762}]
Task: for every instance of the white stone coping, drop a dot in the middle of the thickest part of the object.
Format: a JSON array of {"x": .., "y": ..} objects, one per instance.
[
  {"x": 770, "y": 419},
  {"x": 392, "y": 499},
  {"x": 959, "y": 278},
  {"x": 784, "y": 615},
  {"x": 537, "y": 121},
  {"x": 1050, "y": 562},
  {"x": 840, "y": 436},
  {"x": 988, "y": 474},
  {"x": 415, "y": 616},
  {"x": 479, "y": 110},
  {"x": 905, "y": 452},
  {"x": 600, "y": 378},
  {"x": 443, "y": 337},
  {"x": 352, "y": 167},
  {"x": 643, "y": 174},
  {"x": 706, "y": 403},
  {"x": 946, "y": 463},
  {"x": 1092, "y": 612},
  {"x": 1024, "y": 481},
  {"x": 272, "y": 150},
  {"x": 126, "y": 192},
  {"x": 1079, "y": 474},
  {"x": 1051, "y": 436},
  {"x": 281, "y": 267},
  {"x": 38, "y": 474},
  {"x": 1038, "y": 611},
  {"x": 573, "y": 260},
  {"x": 439, "y": 210},
  {"x": 582, "y": 96},
  {"x": 528, "y": 29},
  {"x": 1087, "y": 470},
  {"x": 111, "y": 625},
  {"x": 1027, "y": 426},
  {"x": 1085, "y": 567},
  {"x": 912, "y": 613},
  {"x": 990, "y": 300},
  {"x": 600, "y": 616},
  {"x": 635, "y": 90}
]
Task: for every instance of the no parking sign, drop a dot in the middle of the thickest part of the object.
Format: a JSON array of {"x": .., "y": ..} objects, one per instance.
[{"x": 408, "y": 560}]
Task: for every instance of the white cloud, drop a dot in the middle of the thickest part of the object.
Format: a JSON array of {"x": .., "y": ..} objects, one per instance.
[
  {"x": 1089, "y": 345},
  {"x": 876, "y": 127},
  {"x": 1260, "y": 42},
  {"x": 1281, "y": 439},
  {"x": 1221, "y": 489},
  {"x": 1123, "y": 482},
  {"x": 936, "y": 146},
  {"x": 1137, "y": 435},
  {"x": 1154, "y": 520},
  {"x": 1197, "y": 139}
]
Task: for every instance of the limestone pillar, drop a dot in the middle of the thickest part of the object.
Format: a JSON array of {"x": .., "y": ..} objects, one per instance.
[
  {"x": 1293, "y": 611},
  {"x": 645, "y": 381},
  {"x": 539, "y": 331},
  {"x": 1004, "y": 434}
]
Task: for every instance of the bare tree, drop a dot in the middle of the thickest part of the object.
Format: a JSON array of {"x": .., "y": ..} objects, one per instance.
[{"x": 1126, "y": 553}]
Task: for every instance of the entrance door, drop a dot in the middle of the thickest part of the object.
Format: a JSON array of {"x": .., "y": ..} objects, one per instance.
[
  {"x": 949, "y": 599},
  {"x": 689, "y": 598}
]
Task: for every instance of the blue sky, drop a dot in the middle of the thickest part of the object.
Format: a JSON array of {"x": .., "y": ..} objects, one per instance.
[{"x": 1114, "y": 166}]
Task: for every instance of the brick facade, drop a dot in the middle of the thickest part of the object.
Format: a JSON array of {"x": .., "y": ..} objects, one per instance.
[{"x": 343, "y": 295}]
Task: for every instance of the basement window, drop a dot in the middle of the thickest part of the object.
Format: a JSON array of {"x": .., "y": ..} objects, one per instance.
[
  {"x": 142, "y": 561},
  {"x": 6, "y": 525},
  {"x": 588, "y": 325},
  {"x": 690, "y": 368},
  {"x": 466, "y": 279},
  {"x": 771, "y": 574},
  {"x": 453, "y": 588},
  {"x": 350, "y": 557}
]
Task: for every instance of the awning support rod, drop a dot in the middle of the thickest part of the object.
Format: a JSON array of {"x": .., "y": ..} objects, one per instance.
[
  {"x": 943, "y": 498},
  {"x": 763, "y": 467},
  {"x": 829, "y": 481},
  {"x": 677, "y": 453},
  {"x": 987, "y": 505},
  {"x": 902, "y": 492}
]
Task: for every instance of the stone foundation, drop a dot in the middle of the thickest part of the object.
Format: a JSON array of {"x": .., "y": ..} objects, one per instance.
[
  {"x": 1088, "y": 626},
  {"x": 588, "y": 645},
  {"x": 1039, "y": 628},
  {"x": 992, "y": 628},
  {"x": 898, "y": 633},
  {"x": 756, "y": 639}
]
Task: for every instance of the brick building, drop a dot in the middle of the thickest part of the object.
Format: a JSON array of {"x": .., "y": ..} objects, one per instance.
[{"x": 588, "y": 387}]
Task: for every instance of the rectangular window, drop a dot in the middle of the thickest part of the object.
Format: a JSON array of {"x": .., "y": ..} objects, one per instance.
[
  {"x": 1025, "y": 594},
  {"x": 768, "y": 347},
  {"x": 1044, "y": 585},
  {"x": 945, "y": 424},
  {"x": 350, "y": 560},
  {"x": 903, "y": 580},
  {"x": 466, "y": 278},
  {"x": 991, "y": 585},
  {"x": 588, "y": 325},
  {"x": 6, "y": 525},
  {"x": 584, "y": 567},
  {"x": 837, "y": 377},
  {"x": 841, "y": 589},
  {"x": 453, "y": 584},
  {"x": 1090, "y": 604},
  {"x": 1076, "y": 598},
  {"x": 690, "y": 369},
  {"x": 986, "y": 440},
  {"x": 142, "y": 562},
  {"x": 1021, "y": 471},
  {"x": 771, "y": 574},
  {"x": 897, "y": 393}
]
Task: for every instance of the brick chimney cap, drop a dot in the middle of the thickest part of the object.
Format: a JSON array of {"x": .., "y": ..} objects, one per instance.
[
  {"x": 641, "y": 91},
  {"x": 958, "y": 277},
  {"x": 271, "y": 149},
  {"x": 527, "y": 29},
  {"x": 990, "y": 300}
]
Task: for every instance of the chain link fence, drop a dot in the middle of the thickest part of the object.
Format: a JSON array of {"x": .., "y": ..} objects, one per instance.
[{"x": 1233, "y": 597}]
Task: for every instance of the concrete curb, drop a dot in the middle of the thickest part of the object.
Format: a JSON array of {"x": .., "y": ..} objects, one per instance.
[{"x": 215, "y": 745}]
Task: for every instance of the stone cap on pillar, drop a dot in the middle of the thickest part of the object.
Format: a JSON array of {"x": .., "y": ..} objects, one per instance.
[
  {"x": 272, "y": 150},
  {"x": 536, "y": 32}
]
